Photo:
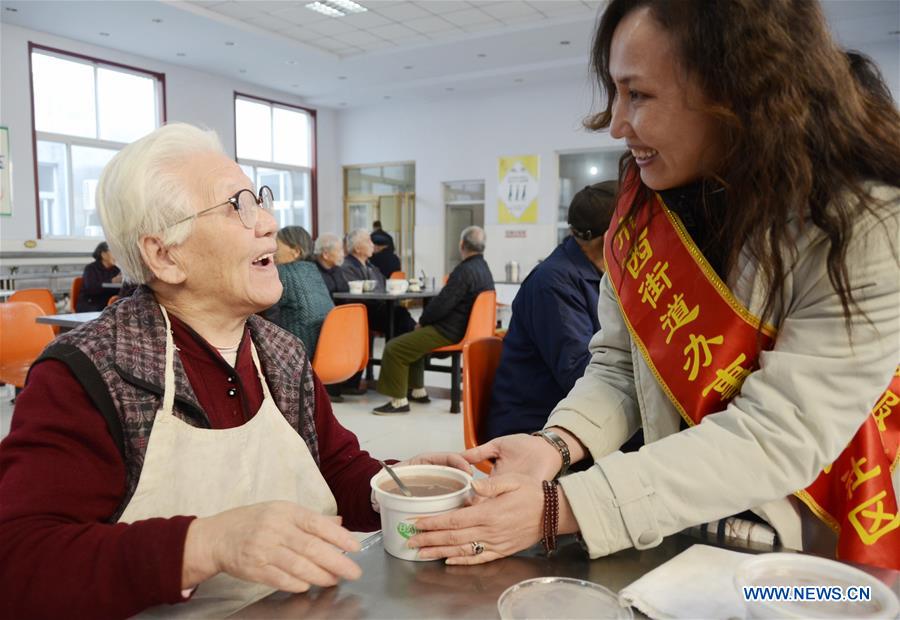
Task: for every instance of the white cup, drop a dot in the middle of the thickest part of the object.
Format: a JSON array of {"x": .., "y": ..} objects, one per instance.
[
  {"x": 396, "y": 287},
  {"x": 398, "y": 511},
  {"x": 356, "y": 286}
]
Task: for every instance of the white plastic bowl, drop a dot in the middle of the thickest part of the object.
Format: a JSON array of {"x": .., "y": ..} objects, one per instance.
[
  {"x": 396, "y": 287},
  {"x": 398, "y": 511}
]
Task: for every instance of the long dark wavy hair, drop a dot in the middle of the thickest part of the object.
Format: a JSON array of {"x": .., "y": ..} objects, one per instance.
[{"x": 801, "y": 135}]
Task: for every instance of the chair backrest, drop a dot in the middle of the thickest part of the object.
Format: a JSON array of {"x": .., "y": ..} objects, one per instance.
[
  {"x": 483, "y": 317},
  {"x": 21, "y": 339},
  {"x": 398, "y": 275},
  {"x": 74, "y": 291},
  {"x": 480, "y": 360},
  {"x": 40, "y": 296},
  {"x": 343, "y": 346}
]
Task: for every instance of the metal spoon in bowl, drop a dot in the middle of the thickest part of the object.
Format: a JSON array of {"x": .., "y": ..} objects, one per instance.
[{"x": 403, "y": 488}]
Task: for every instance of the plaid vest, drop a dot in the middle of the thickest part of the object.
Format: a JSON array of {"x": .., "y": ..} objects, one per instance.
[{"x": 126, "y": 346}]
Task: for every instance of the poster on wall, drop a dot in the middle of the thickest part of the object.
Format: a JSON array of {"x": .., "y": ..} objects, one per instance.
[
  {"x": 517, "y": 192},
  {"x": 5, "y": 177}
]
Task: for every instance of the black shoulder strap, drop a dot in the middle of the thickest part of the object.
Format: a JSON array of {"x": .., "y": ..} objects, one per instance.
[{"x": 89, "y": 378}]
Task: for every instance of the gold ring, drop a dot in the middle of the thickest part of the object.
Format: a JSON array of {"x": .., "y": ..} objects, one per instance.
[{"x": 477, "y": 547}]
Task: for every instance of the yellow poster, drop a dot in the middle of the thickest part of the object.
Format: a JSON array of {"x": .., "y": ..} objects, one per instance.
[{"x": 517, "y": 191}]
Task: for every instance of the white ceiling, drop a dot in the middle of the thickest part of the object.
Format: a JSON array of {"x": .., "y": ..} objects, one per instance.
[{"x": 395, "y": 50}]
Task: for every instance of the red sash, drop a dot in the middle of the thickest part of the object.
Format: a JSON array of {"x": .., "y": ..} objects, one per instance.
[{"x": 701, "y": 343}]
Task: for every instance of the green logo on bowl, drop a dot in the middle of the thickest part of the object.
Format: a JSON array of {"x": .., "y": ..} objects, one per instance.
[{"x": 406, "y": 529}]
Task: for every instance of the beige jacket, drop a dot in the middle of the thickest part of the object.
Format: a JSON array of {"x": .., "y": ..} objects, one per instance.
[{"x": 792, "y": 418}]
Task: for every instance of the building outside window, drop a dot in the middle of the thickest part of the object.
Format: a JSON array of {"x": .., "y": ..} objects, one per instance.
[
  {"x": 85, "y": 111},
  {"x": 275, "y": 146}
]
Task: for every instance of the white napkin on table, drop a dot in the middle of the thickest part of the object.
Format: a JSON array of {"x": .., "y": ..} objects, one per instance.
[{"x": 696, "y": 583}]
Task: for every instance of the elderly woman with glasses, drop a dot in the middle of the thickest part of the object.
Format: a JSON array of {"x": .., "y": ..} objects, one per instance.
[{"x": 179, "y": 447}]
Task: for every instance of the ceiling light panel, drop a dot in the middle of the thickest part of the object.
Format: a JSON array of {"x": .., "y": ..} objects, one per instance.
[{"x": 324, "y": 9}]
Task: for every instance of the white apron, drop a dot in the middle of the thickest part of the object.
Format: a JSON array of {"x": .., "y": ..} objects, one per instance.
[{"x": 195, "y": 471}]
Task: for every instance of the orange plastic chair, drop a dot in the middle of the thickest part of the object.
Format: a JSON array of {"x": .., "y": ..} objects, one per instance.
[
  {"x": 40, "y": 296},
  {"x": 480, "y": 360},
  {"x": 481, "y": 325},
  {"x": 343, "y": 347},
  {"x": 112, "y": 300},
  {"x": 398, "y": 275},
  {"x": 73, "y": 293},
  {"x": 21, "y": 340}
]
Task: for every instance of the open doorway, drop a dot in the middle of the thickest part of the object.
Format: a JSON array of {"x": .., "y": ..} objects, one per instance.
[
  {"x": 464, "y": 207},
  {"x": 384, "y": 192}
]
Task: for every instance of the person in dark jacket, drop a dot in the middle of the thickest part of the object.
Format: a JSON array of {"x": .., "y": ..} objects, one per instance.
[
  {"x": 554, "y": 316},
  {"x": 93, "y": 296},
  {"x": 358, "y": 266},
  {"x": 385, "y": 258},
  {"x": 443, "y": 322},
  {"x": 329, "y": 256}
]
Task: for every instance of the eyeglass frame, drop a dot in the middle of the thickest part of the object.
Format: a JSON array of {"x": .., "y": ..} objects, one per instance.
[{"x": 235, "y": 201}]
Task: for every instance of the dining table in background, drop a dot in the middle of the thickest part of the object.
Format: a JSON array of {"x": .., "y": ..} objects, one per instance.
[
  {"x": 65, "y": 322},
  {"x": 393, "y": 588},
  {"x": 391, "y": 300}
]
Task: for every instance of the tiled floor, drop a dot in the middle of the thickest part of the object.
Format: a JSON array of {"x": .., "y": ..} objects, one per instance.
[{"x": 426, "y": 428}]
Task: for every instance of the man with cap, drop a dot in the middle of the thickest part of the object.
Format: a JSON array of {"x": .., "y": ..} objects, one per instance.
[
  {"x": 554, "y": 316},
  {"x": 384, "y": 257}
]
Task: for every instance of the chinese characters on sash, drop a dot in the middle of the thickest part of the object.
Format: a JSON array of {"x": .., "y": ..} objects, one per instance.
[{"x": 702, "y": 344}]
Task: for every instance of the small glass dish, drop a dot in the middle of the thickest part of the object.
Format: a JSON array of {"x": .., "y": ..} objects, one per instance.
[{"x": 560, "y": 597}]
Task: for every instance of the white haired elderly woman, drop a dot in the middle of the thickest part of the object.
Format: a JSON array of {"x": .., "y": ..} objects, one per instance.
[{"x": 178, "y": 448}]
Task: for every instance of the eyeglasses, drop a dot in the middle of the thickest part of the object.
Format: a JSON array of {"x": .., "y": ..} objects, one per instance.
[{"x": 246, "y": 203}]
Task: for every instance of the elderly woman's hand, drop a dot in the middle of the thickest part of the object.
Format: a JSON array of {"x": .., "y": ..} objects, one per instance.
[
  {"x": 523, "y": 454},
  {"x": 279, "y": 544},
  {"x": 506, "y": 517},
  {"x": 450, "y": 459}
]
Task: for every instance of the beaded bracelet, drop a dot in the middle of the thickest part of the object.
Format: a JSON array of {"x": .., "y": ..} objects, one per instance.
[{"x": 551, "y": 516}]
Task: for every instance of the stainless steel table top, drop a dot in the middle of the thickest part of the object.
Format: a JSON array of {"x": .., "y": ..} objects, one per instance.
[
  {"x": 392, "y": 588},
  {"x": 382, "y": 296},
  {"x": 68, "y": 320}
]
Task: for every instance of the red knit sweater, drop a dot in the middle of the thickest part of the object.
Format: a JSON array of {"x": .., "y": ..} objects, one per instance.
[{"x": 61, "y": 477}]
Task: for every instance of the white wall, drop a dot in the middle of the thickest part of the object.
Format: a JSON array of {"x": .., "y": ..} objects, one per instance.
[
  {"x": 460, "y": 138},
  {"x": 191, "y": 96}
]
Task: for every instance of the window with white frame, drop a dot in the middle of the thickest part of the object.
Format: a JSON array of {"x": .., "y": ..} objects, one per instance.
[
  {"x": 275, "y": 146},
  {"x": 85, "y": 111}
]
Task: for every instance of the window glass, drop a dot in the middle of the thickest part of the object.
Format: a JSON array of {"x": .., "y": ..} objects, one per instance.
[
  {"x": 87, "y": 164},
  {"x": 290, "y": 131},
  {"x": 53, "y": 188},
  {"x": 292, "y": 197},
  {"x": 127, "y": 105},
  {"x": 63, "y": 96},
  {"x": 84, "y": 112},
  {"x": 253, "y": 125}
]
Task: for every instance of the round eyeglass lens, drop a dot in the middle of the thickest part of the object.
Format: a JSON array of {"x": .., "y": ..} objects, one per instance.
[
  {"x": 268, "y": 199},
  {"x": 247, "y": 208}
]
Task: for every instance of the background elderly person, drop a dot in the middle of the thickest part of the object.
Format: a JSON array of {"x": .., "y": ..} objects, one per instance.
[
  {"x": 179, "y": 441},
  {"x": 305, "y": 300},
  {"x": 782, "y": 344},
  {"x": 93, "y": 296},
  {"x": 443, "y": 322},
  {"x": 357, "y": 265},
  {"x": 554, "y": 316},
  {"x": 329, "y": 256}
]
